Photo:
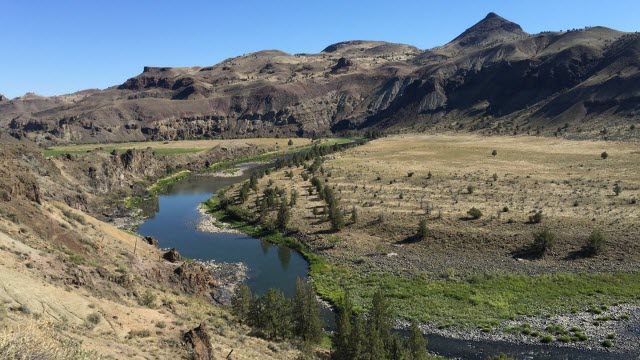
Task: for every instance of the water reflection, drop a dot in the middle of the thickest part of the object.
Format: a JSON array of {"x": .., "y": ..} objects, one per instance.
[{"x": 173, "y": 219}]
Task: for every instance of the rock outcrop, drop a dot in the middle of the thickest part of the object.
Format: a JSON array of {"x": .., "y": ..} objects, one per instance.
[
  {"x": 172, "y": 256},
  {"x": 194, "y": 278},
  {"x": 199, "y": 343}
]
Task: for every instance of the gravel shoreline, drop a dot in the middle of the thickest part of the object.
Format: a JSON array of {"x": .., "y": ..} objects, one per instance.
[
  {"x": 210, "y": 224},
  {"x": 612, "y": 320}
]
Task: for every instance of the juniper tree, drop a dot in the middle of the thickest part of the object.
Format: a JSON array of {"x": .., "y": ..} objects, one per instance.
[
  {"x": 284, "y": 215},
  {"x": 306, "y": 313},
  {"x": 342, "y": 334},
  {"x": 543, "y": 241},
  {"x": 416, "y": 344},
  {"x": 241, "y": 302},
  {"x": 358, "y": 347},
  {"x": 423, "y": 230},
  {"x": 617, "y": 189},
  {"x": 276, "y": 314},
  {"x": 380, "y": 325}
]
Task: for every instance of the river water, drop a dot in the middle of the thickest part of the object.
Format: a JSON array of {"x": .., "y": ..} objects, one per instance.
[{"x": 172, "y": 221}]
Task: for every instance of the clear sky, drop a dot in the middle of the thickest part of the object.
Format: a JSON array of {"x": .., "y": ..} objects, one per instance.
[{"x": 56, "y": 47}]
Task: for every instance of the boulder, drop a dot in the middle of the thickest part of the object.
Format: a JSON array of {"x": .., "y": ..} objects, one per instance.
[
  {"x": 172, "y": 256},
  {"x": 199, "y": 343}
]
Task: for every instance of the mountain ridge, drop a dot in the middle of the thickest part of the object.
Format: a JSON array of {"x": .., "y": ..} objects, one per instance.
[{"x": 494, "y": 77}]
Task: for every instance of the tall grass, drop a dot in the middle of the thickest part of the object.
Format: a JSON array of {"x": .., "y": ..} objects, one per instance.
[{"x": 37, "y": 339}]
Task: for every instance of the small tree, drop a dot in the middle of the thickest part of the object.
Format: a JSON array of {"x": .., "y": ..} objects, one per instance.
[
  {"x": 604, "y": 155},
  {"x": 475, "y": 213},
  {"x": 595, "y": 243},
  {"x": 241, "y": 303},
  {"x": 423, "y": 230},
  {"x": 617, "y": 189},
  {"x": 416, "y": 344},
  {"x": 354, "y": 215},
  {"x": 543, "y": 241},
  {"x": 283, "y": 215},
  {"x": 494, "y": 152}
]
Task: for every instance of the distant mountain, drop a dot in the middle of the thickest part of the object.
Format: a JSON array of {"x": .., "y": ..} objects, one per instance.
[{"x": 494, "y": 78}]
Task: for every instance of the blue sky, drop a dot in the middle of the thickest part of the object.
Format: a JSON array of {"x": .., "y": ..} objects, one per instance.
[{"x": 57, "y": 47}]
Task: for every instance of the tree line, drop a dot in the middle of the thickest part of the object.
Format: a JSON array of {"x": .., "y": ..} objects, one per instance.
[{"x": 357, "y": 336}]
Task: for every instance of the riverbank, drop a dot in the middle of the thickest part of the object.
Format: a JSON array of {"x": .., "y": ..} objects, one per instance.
[
  {"x": 462, "y": 280},
  {"x": 580, "y": 330}
]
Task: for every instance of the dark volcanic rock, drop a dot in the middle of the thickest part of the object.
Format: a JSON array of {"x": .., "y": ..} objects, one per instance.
[
  {"x": 493, "y": 77},
  {"x": 172, "y": 256},
  {"x": 342, "y": 64},
  {"x": 199, "y": 343},
  {"x": 154, "y": 242},
  {"x": 194, "y": 278}
]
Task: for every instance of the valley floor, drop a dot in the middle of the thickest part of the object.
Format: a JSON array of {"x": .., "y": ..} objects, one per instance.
[{"x": 475, "y": 278}]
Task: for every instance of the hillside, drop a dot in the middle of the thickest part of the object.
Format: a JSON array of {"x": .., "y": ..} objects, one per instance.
[
  {"x": 494, "y": 78},
  {"x": 76, "y": 287}
]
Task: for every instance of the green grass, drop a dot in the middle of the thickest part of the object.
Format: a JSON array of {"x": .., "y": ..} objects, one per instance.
[
  {"x": 224, "y": 165},
  {"x": 163, "y": 183}
]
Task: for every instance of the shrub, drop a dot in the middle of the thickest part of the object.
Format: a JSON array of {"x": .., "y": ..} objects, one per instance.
[
  {"x": 543, "y": 241},
  {"x": 290, "y": 142},
  {"x": 475, "y": 213},
  {"x": 470, "y": 189},
  {"x": 94, "y": 318},
  {"x": 595, "y": 243},
  {"x": 564, "y": 338},
  {"x": 239, "y": 213},
  {"x": 607, "y": 343},
  {"x": 604, "y": 155},
  {"x": 148, "y": 299},
  {"x": 536, "y": 218},
  {"x": 139, "y": 333},
  {"x": 546, "y": 339},
  {"x": 617, "y": 189},
  {"x": 423, "y": 230},
  {"x": 505, "y": 209},
  {"x": 494, "y": 152}
]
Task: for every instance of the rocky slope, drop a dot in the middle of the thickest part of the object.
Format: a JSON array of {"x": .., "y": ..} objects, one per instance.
[
  {"x": 71, "y": 281},
  {"x": 494, "y": 77}
]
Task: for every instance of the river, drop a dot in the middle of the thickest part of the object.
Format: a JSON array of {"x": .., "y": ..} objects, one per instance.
[{"x": 172, "y": 221}]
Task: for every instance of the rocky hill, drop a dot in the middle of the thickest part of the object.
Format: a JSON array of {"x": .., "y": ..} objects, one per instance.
[
  {"x": 494, "y": 78},
  {"x": 75, "y": 287}
]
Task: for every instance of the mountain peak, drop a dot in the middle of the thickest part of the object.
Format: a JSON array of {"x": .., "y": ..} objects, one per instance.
[{"x": 492, "y": 29}]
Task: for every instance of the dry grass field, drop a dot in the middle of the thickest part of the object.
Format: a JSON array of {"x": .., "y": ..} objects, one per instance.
[
  {"x": 173, "y": 147},
  {"x": 567, "y": 180}
]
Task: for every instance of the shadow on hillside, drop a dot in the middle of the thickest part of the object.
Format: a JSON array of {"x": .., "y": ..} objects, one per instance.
[{"x": 527, "y": 252}]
